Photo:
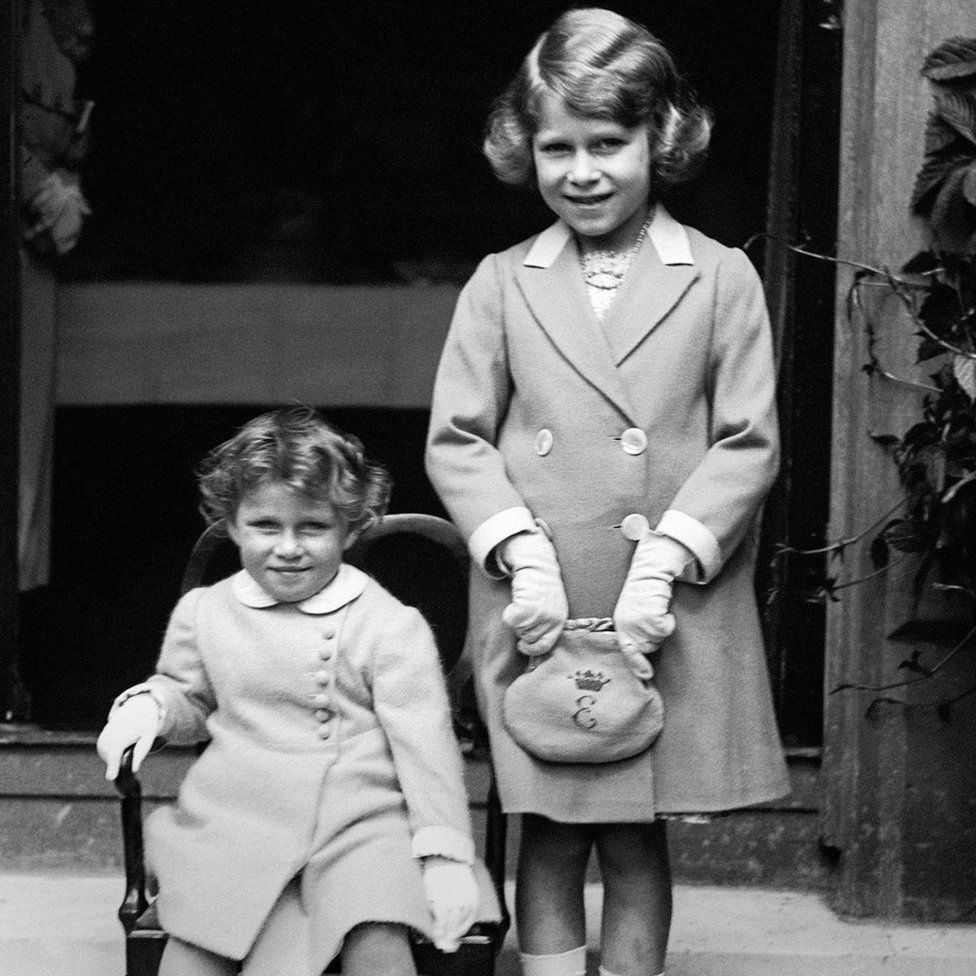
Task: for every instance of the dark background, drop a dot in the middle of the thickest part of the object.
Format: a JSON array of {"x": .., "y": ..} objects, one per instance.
[
  {"x": 307, "y": 141},
  {"x": 340, "y": 141}
]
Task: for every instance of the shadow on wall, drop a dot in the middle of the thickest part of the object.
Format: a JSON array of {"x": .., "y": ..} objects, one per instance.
[{"x": 125, "y": 518}]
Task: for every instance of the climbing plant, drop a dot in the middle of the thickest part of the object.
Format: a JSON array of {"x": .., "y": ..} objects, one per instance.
[{"x": 935, "y": 520}]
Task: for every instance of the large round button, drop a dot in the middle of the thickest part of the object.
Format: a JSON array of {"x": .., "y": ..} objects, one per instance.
[
  {"x": 321, "y": 701},
  {"x": 323, "y": 715},
  {"x": 328, "y": 634},
  {"x": 325, "y": 653},
  {"x": 322, "y": 678},
  {"x": 634, "y": 526},
  {"x": 633, "y": 440},
  {"x": 543, "y": 442},
  {"x": 324, "y": 731}
]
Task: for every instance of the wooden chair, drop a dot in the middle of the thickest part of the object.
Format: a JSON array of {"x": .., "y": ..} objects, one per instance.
[{"x": 422, "y": 560}]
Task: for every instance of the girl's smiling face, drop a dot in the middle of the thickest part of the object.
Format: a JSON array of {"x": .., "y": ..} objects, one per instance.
[
  {"x": 291, "y": 544},
  {"x": 593, "y": 173}
]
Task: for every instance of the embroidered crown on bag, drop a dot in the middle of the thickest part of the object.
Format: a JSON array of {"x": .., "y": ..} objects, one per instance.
[{"x": 589, "y": 680}]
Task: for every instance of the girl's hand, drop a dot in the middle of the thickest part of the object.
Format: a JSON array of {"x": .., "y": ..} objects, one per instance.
[
  {"x": 452, "y": 896},
  {"x": 539, "y": 608},
  {"x": 642, "y": 617},
  {"x": 136, "y": 720}
]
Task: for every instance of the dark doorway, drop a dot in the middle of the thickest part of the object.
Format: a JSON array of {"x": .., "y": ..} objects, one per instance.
[{"x": 339, "y": 143}]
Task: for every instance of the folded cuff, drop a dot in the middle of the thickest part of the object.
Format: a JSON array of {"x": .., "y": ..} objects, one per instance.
[
  {"x": 493, "y": 531},
  {"x": 443, "y": 842},
  {"x": 691, "y": 533}
]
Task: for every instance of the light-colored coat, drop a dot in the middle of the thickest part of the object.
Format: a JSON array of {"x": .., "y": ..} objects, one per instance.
[
  {"x": 332, "y": 754},
  {"x": 664, "y": 412}
]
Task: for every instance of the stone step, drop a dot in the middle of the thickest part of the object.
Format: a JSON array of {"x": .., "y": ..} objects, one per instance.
[
  {"x": 57, "y": 812},
  {"x": 53, "y": 924}
]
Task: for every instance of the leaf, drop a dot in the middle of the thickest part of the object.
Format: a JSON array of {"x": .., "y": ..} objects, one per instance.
[
  {"x": 964, "y": 370},
  {"x": 954, "y": 58},
  {"x": 923, "y": 263},
  {"x": 941, "y": 633},
  {"x": 936, "y": 168},
  {"x": 940, "y": 310},
  {"x": 959, "y": 111},
  {"x": 885, "y": 440},
  {"x": 951, "y": 217},
  {"x": 913, "y": 664},
  {"x": 879, "y": 552},
  {"x": 903, "y": 535},
  {"x": 969, "y": 184}
]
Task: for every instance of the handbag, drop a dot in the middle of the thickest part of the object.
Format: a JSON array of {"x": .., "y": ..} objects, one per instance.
[{"x": 582, "y": 702}]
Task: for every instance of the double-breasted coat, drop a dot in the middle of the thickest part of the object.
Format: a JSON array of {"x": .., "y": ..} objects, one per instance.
[
  {"x": 661, "y": 416},
  {"x": 332, "y": 768}
]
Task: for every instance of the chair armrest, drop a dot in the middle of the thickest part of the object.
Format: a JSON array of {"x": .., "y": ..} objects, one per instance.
[{"x": 135, "y": 901}]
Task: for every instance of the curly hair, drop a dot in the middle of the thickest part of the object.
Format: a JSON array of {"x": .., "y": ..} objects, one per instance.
[
  {"x": 604, "y": 66},
  {"x": 294, "y": 445}
]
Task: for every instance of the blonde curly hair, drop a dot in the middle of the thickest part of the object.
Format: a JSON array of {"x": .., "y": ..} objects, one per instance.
[
  {"x": 297, "y": 446},
  {"x": 604, "y": 66}
]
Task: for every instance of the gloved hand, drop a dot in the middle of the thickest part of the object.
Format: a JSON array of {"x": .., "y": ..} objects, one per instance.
[
  {"x": 59, "y": 209},
  {"x": 136, "y": 720},
  {"x": 452, "y": 896},
  {"x": 642, "y": 616},
  {"x": 538, "y": 609}
]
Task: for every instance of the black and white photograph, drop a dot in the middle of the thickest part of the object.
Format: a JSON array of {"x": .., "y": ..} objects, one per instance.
[{"x": 488, "y": 488}]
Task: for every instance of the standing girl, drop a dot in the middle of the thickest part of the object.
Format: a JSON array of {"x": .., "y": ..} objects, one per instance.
[
  {"x": 603, "y": 431},
  {"x": 328, "y": 811}
]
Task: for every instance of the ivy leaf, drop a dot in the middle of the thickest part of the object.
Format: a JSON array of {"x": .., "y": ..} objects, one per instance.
[
  {"x": 954, "y": 58},
  {"x": 964, "y": 370}
]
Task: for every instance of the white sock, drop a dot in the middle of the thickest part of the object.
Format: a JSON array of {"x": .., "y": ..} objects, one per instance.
[
  {"x": 572, "y": 963},
  {"x": 606, "y": 972}
]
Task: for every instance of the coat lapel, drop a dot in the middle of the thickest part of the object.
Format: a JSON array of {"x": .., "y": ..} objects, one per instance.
[
  {"x": 656, "y": 282},
  {"x": 550, "y": 280}
]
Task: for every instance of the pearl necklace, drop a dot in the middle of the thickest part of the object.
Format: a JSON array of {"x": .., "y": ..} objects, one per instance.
[{"x": 606, "y": 269}]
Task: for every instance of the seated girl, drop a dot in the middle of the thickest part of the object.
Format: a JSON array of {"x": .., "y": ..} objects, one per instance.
[{"x": 328, "y": 813}]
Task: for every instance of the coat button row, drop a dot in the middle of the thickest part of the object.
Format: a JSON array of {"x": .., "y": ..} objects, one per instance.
[{"x": 632, "y": 441}]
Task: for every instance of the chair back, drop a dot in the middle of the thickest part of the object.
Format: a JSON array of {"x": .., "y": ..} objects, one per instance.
[{"x": 421, "y": 559}]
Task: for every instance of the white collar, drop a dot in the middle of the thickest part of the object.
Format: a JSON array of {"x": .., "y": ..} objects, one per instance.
[
  {"x": 344, "y": 587},
  {"x": 670, "y": 240}
]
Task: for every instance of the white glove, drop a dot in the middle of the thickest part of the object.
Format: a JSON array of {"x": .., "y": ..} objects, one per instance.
[
  {"x": 60, "y": 209},
  {"x": 452, "y": 896},
  {"x": 642, "y": 617},
  {"x": 136, "y": 720},
  {"x": 538, "y": 609}
]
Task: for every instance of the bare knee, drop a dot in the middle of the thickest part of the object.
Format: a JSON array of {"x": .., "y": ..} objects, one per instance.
[
  {"x": 625, "y": 850},
  {"x": 377, "y": 949},
  {"x": 560, "y": 849}
]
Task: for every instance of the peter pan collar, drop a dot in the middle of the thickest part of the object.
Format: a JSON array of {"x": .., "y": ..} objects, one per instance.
[
  {"x": 345, "y": 586},
  {"x": 670, "y": 240}
]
